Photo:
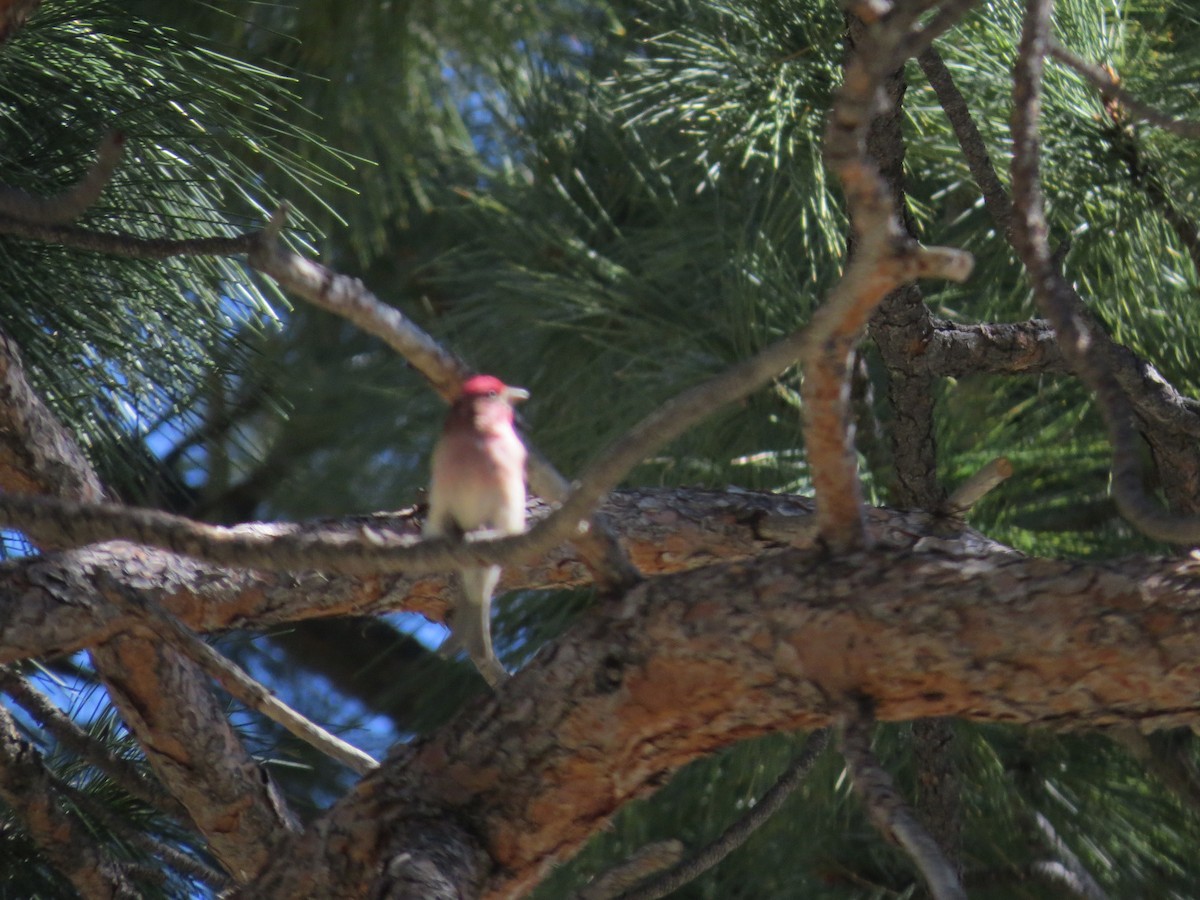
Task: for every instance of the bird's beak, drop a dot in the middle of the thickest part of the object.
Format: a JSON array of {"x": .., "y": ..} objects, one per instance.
[{"x": 515, "y": 394}]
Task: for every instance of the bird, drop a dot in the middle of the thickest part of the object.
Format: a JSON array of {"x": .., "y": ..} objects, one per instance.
[{"x": 477, "y": 483}]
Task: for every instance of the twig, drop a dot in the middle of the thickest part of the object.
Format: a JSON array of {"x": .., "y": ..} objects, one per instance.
[
  {"x": 888, "y": 810},
  {"x": 1081, "y": 340},
  {"x": 642, "y": 864},
  {"x": 920, "y": 39},
  {"x": 74, "y": 201},
  {"x": 977, "y": 486},
  {"x": 240, "y": 685},
  {"x": 979, "y": 162},
  {"x": 123, "y": 773},
  {"x": 884, "y": 258},
  {"x": 740, "y": 831},
  {"x": 122, "y": 243},
  {"x": 350, "y": 299},
  {"x": 1109, "y": 86}
]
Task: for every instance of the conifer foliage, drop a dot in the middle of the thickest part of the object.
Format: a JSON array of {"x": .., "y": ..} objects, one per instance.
[{"x": 863, "y": 335}]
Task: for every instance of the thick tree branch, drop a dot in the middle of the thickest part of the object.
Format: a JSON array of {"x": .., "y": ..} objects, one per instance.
[
  {"x": 55, "y": 603},
  {"x": 688, "y": 663},
  {"x": 187, "y": 738},
  {"x": 162, "y": 698}
]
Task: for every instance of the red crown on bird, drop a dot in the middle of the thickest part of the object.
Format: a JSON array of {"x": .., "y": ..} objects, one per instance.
[{"x": 490, "y": 386}]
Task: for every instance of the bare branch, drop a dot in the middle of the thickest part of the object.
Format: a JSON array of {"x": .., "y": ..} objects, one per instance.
[
  {"x": 121, "y": 243},
  {"x": 642, "y": 864},
  {"x": 1081, "y": 339},
  {"x": 890, "y": 813},
  {"x": 740, "y": 831},
  {"x": 74, "y": 201},
  {"x": 1109, "y": 86},
  {"x": 978, "y": 485},
  {"x": 240, "y": 685},
  {"x": 350, "y": 299},
  {"x": 995, "y": 196}
]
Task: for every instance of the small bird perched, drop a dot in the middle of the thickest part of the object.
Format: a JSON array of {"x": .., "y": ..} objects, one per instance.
[{"x": 478, "y": 483}]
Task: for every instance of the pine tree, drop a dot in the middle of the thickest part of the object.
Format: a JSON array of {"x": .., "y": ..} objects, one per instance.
[{"x": 609, "y": 205}]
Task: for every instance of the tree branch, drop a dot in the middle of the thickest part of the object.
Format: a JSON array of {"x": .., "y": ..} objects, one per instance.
[
  {"x": 55, "y": 604},
  {"x": 29, "y": 789},
  {"x": 884, "y": 258},
  {"x": 740, "y": 831},
  {"x": 1078, "y": 333},
  {"x": 74, "y": 201},
  {"x": 122, "y": 772},
  {"x": 1109, "y": 86},
  {"x": 888, "y": 810},
  {"x": 239, "y": 685},
  {"x": 686, "y": 664}
]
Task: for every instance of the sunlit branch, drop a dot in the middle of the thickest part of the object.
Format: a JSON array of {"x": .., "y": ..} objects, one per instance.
[
  {"x": 239, "y": 685},
  {"x": 1081, "y": 340}
]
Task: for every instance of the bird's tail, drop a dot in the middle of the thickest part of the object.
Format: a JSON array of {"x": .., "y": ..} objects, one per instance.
[{"x": 471, "y": 623}]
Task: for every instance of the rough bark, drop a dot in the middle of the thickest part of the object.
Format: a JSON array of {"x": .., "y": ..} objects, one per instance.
[
  {"x": 164, "y": 699},
  {"x": 692, "y": 662}
]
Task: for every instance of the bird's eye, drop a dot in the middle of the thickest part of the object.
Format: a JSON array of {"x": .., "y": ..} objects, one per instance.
[{"x": 493, "y": 393}]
